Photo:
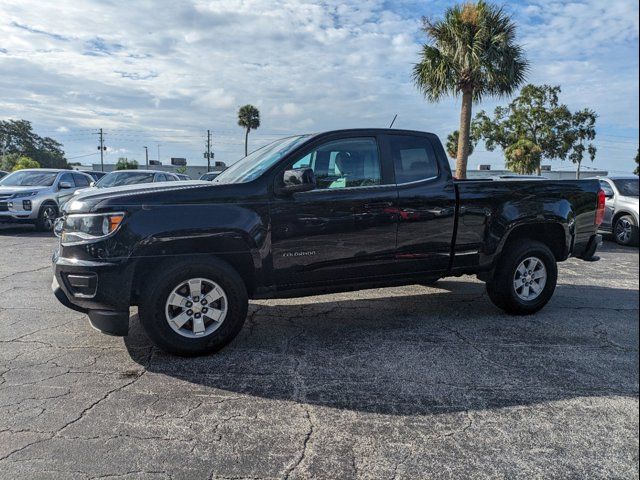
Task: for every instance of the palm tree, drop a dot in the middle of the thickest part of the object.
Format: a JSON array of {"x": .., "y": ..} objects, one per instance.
[
  {"x": 452, "y": 144},
  {"x": 249, "y": 119},
  {"x": 471, "y": 52}
]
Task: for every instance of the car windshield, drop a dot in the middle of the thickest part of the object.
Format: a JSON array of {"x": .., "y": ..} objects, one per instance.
[
  {"x": 116, "y": 179},
  {"x": 627, "y": 187},
  {"x": 256, "y": 163},
  {"x": 29, "y": 179}
]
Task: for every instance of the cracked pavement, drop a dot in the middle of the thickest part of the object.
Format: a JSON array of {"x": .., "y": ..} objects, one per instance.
[{"x": 408, "y": 382}]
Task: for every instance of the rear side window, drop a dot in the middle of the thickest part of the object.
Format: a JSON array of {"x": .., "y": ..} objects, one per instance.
[
  {"x": 160, "y": 177},
  {"x": 413, "y": 158}
]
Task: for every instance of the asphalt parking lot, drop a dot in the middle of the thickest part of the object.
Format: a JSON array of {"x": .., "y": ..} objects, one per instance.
[{"x": 410, "y": 382}]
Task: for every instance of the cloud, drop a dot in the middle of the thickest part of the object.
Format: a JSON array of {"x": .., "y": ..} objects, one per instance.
[{"x": 165, "y": 75}]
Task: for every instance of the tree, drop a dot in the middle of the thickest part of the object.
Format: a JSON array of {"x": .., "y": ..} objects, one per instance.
[
  {"x": 125, "y": 164},
  {"x": 18, "y": 137},
  {"x": 581, "y": 131},
  {"x": 535, "y": 115},
  {"x": 471, "y": 52},
  {"x": 249, "y": 119},
  {"x": 182, "y": 169},
  {"x": 637, "y": 170},
  {"x": 523, "y": 156},
  {"x": 452, "y": 143},
  {"x": 25, "y": 162}
]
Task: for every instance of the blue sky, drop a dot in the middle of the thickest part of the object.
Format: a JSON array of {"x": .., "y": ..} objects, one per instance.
[{"x": 163, "y": 73}]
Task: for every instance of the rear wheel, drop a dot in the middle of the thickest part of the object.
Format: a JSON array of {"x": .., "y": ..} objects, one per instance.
[
  {"x": 194, "y": 308},
  {"x": 625, "y": 230},
  {"x": 525, "y": 278},
  {"x": 46, "y": 217}
]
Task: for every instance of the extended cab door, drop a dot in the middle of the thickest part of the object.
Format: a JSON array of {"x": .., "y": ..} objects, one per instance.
[
  {"x": 426, "y": 202},
  {"x": 346, "y": 227}
]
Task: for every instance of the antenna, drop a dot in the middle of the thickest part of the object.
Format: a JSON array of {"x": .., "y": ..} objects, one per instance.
[{"x": 394, "y": 120}]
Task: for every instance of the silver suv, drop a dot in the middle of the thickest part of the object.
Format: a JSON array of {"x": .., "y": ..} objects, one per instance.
[
  {"x": 36, "y": 195},
  {"x": 621, "y": 208}
]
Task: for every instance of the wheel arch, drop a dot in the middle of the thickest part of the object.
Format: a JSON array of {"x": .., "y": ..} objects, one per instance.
[
  {"x": 236, "y": 254},
  {"x": 552, "y": 234}
]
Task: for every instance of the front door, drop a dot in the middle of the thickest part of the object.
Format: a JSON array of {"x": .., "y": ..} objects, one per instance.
[{"x": 346, "y": 227}]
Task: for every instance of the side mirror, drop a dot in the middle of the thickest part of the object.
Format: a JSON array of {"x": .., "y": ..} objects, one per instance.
[
  {"x": 64, "y": 185},
  {"x": 92, "y": 184},
  {"x": 297, "y": 180}
]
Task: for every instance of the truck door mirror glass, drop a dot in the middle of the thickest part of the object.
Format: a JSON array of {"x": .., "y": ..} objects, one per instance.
[
  {"x": 298, "y": 180},
  {"x": 64, "y": 185}
]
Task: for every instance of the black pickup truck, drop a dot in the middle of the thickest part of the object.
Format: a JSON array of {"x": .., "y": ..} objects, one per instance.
[{"x": 310, "y": 214}]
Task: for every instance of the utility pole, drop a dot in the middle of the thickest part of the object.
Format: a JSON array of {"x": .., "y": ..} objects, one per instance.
[
  {"x": 102, "y": 148},
  {"x": 146, "y": 156},
  {"x": 208, "y": 154},
  {"x": 158, "y": 153}
]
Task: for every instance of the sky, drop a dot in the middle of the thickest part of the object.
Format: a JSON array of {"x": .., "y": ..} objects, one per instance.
[{"x": 161, "y": 73}]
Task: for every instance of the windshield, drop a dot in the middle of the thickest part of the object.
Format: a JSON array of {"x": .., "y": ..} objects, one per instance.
[
  {"x": 29, "y": 179},
  {"x": 116, "y": 179},
  {"x": 256, "y": 163},
  {"x": 627, "y": 187}
]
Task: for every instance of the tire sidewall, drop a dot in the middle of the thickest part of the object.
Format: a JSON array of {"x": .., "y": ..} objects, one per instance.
[
  {"x": 40, "y": 221},
  {"x": 152, "y": 308}
]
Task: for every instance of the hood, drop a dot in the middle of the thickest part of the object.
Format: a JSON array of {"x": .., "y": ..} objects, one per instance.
[
  {"x": 138, "y": 194},
  {"x": 8, "y": 190}
]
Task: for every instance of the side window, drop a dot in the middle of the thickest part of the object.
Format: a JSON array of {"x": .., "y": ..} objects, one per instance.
[
  {"x": 81, "y": 180},
  {"x": 67, "y": 177},
  {"x": 160, "y": 177},
  {"x": 608, "y": 191},
  {"x": 413, "y": 158},
  {"x": 350, "y": 162}
]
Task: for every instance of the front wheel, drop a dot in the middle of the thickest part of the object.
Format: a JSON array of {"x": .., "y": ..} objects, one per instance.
[
  {"x": 194, "y": 308},
  {"x": 525, "y": 278},
  {"x": 46, "y": 217},
  {"x": 625, "y": 231}
]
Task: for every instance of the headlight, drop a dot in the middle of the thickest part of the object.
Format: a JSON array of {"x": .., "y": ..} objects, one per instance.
[
  {"x": 88, "y": 228},
  {"x": 24, "y": 194}
]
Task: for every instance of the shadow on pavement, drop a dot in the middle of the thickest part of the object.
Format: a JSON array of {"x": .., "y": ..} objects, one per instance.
[
  {"x": 420, "y": 354},
  {"x": 21, "y": 230}
]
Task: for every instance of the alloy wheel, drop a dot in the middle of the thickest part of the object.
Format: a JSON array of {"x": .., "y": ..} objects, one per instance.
[
  {"x": 196, "y": 308},
  {"x": 530, "y": 278}
]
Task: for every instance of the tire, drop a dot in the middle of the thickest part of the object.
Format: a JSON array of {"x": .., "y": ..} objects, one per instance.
[
  {"x": 155, "y": 309},
  {"x": 625, "y": 231},
  {"x": 502, "y": 287},
  {"x": 46, "y": 217}
]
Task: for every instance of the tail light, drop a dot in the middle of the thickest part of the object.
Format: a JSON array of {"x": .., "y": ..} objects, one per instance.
[{"x": 600, "y": 209}]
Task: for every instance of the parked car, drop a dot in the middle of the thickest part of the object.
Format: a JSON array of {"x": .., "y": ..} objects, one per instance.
[
  {"x": 96, "y": 175},
  {"x": 621, "y": 210},
  {"x": 36, "y": 195},
  {"x": 209, "y": 176},
  {"x": 119, "y": 178},
  {"x": 312, "y": 214},
  {"x": 517, "y": 177},
  {"x": 182, "y": 176},
  {"x": 3, "y": 173}
]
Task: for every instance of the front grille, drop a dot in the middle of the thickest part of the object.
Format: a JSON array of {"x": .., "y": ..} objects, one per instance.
[{"x": 3, "y": 207}]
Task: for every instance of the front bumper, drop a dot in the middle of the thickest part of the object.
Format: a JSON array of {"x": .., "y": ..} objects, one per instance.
[{"x": 102, "y": 290}]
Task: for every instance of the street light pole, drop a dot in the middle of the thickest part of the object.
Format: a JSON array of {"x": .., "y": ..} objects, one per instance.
[{"x": 146, "y": 156}]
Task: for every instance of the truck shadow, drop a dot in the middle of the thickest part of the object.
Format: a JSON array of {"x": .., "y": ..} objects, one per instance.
[
  {"x": 22, "y": 230},
  {"x": 382, "y": 352}
]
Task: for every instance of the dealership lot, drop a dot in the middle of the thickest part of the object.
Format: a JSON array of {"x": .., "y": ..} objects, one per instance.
[{"x": 393, "y": 383}]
